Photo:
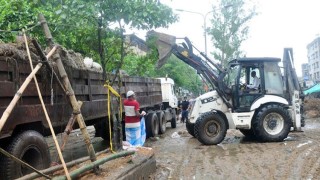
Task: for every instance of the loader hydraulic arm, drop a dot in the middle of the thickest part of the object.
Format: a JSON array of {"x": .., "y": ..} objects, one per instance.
[{"x": 212, "y": 72}]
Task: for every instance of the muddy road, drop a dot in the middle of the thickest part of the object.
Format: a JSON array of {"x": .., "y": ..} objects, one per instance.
[
  {"x": 298, "y": 157},
  {"x": 183, "y": 157}
]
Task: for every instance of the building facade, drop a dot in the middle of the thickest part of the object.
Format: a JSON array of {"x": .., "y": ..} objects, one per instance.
[
  {"x": 314, "y": 60},
  {"x": 305, "y": 71}
]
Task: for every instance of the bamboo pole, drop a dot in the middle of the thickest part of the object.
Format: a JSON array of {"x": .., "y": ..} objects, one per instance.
[
  {"x": 74, "y": 174},
  {"x": 59, "y": 167},
  {"x": 45, "y": 111},
  {"x": 70, "y": 93},
  {"x": 24, "y": 85},
  {"x": 23, "y": 163}
]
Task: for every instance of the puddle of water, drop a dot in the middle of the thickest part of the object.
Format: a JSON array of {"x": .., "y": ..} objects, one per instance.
[{"x": 291, "y": 138}]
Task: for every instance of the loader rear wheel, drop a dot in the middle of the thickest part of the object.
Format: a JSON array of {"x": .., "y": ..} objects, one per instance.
[
  {"x": 190, "y": 128},
  {"x": 30, "y": 147},
  {"x": 162, "y": 122},
  {"x": 272, "y": 123},
  {"x": 152, "y": 125},
  {"x": 210, "y": 128},
  {"x": 174, "y": 119}
]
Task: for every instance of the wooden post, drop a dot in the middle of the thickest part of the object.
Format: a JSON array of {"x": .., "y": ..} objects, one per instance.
[
  {"x": 45, "y": 111},
  {"x": 70, "y": 93}
]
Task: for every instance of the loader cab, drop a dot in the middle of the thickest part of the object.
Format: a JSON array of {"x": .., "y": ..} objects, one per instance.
[{"x": 240, "y": 79}]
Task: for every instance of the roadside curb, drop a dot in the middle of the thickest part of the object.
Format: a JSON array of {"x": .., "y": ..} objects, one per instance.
[
  {"x": 141, "y": 166},
  {"x": 140, "y": 170}
]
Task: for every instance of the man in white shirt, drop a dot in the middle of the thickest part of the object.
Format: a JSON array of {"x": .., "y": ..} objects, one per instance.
[{"x": 255, "y": 83}]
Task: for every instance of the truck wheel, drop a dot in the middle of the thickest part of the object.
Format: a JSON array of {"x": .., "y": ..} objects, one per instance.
[
  {"x": 272, "y": 123},
  {"x": 247, "y": 132},
  {"x": 152, "y": 125},
  {"x": 30, "y": 147},
  {"x": 190, "y": 128},
  {"x": 174, "y": 119},
  {"x": 303, "y": 121},
  {"x": 210, "y": 128},
  {"x": 162, "y": 122}
]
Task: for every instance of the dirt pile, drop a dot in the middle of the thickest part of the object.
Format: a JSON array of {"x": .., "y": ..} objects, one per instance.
[
  {"x": 312, "y": 108},
  {"x": 15, "y": 52}
]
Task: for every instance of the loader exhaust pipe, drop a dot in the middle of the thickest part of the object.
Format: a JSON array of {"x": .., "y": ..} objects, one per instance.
[{"x": 164, "y": 44}]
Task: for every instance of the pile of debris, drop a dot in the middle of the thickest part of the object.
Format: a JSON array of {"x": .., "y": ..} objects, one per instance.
[
  {"x": 13, "y": 52},
  {"x": 312, "y": 108}
]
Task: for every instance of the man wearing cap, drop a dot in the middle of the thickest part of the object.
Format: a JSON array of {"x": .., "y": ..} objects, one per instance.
[
  {"x": 184, "y": 106},
  {"x": 134, "y": 127}
]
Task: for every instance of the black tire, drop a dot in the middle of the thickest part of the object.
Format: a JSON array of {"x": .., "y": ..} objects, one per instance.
[
  {"x": 190, "y": 128},
  {"x": 30, "y": 147},
  {"x": 162, "y": 122},
  {"x": 210, "y": 128},
  {"x": 303, "y": 121},
  {"x": 152, "y": 125},
  {"x": 272, "y": 123},
  {"x": 247, "y": 132},
  {"x": 174, "y": 119}
]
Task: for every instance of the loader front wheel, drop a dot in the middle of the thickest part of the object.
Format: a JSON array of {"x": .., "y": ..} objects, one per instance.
[
  {"x": 210, "y": 128},
  {"x": 190, "y": 128},
  {"x": 272, "y": 123}
]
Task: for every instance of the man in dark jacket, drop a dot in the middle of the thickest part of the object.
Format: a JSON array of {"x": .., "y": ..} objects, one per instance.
[{"x": 184, "y": 106}]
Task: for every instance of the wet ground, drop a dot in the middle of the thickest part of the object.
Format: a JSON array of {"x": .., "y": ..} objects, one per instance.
[
  {"x": 298, "y": 157},
  {"x": 180, "y": 156}
]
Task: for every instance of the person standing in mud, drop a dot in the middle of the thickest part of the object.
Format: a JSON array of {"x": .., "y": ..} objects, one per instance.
[
  {"x": 185, "y": 107},
  {"x": 134, "y": 126}
]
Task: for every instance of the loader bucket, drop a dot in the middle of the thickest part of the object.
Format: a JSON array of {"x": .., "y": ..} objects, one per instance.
[{"x": 164, "y": 44}]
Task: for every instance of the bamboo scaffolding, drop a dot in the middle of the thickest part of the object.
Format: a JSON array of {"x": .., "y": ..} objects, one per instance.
[
  {"x": 25, "y": 164},
  {"x": 74, "y": 174},
  {"x": 46, "y": 112},
  {"x": 59, "y": 167},
  {"x": 70, "y": 93}
]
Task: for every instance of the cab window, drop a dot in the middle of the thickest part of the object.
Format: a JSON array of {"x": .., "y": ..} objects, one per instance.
[
  {"x": 273, "y": 79},
  {"x": 231, "y": 77}
]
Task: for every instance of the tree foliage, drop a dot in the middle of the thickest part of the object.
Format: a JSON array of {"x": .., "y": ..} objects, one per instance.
[
  {"x": 183, "y": 75},
  {"x": 76, "y": 24},
  {"x": 96, "y": 29},
  {"x": 229, "y": 28}
]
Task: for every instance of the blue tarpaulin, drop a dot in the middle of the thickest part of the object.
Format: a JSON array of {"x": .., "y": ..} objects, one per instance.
[{"x": 313, "y": 89}]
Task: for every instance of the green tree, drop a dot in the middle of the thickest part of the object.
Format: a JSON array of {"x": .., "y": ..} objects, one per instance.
[
  {"x": 229, "y": 29},
  {"x": 183, "y": 75},
  {"x": 84, "y": 26}
]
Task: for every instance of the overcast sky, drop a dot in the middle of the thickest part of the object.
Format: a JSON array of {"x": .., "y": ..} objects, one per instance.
[{"x": 280, "y": 24}]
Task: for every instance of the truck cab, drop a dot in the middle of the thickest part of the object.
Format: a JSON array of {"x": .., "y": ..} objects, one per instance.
[{"x": 169, "y": 99}]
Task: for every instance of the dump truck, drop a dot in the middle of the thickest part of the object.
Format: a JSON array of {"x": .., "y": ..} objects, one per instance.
[
  {"x": 267, "y": 113},
  {"x": 23, "y": 133}
]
